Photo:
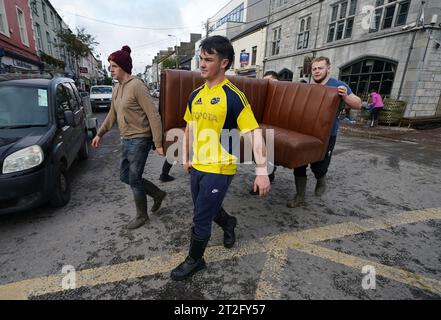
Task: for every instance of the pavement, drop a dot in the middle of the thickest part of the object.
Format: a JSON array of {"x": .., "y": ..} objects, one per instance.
[{"x": 428, "y": 137}]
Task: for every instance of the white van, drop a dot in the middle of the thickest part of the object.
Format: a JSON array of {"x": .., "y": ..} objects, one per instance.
[{"x": 100, "y": 97}]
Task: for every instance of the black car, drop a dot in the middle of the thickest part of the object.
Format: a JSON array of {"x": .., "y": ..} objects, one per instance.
[{"x": 42, "y": 131}]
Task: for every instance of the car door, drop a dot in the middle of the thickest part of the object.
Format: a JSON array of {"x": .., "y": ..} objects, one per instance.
[
  {"x": 78, "y": 117},
  {"x": 67, "y": 133}
]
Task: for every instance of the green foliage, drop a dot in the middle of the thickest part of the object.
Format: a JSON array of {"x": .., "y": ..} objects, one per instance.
[
  {"x": 79, "y": 45},
  {"x": 169, "y": 63},
  {"x": 53, "y": 61}
]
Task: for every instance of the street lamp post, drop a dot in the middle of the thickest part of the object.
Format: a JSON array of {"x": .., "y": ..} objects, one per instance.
[{"x": 177, "y": 63}]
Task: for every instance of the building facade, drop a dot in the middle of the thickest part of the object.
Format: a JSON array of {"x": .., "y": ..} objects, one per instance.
[
  {"x": 390, "y": 45},
  {"x": 17, "y": 44},
  {"x": 47, "y": 24},
  {"x": 236, "y": 18},
  {"x": 249, "y": 48}
]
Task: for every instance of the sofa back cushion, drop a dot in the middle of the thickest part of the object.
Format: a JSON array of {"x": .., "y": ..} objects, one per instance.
[
  {"x": 309, "y": 109},
  {"x": 177, "y": 85}
]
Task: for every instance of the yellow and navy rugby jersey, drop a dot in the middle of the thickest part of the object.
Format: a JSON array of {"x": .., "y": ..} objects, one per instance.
[{"x": 211, "y": 110}]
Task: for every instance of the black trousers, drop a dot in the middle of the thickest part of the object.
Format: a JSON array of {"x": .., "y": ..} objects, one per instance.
[
  {"x": 374, "y": 113},
  {"x": 320, "y": 169}
]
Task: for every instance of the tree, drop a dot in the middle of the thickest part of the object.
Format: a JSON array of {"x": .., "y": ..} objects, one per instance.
[
  {"x": 79, "y": 45},
  {"x": 169, "y": 63}
]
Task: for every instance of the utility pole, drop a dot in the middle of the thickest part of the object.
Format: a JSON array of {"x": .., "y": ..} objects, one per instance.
[
  {"x": 207, "y": 25},
  {"x": 176, "y": 50}
]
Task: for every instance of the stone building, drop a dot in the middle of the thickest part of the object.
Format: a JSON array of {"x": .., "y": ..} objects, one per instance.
[{"x": 391, "y": 45}]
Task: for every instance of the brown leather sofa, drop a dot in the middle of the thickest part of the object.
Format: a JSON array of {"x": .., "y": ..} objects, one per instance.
[{"x": 302, "y": 115}]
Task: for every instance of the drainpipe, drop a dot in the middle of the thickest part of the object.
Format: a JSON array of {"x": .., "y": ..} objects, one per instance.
[
  {"x": 266, "y": 38},
  {"x": 314, "y": 52},
  {"x": 407, "y": 63}
]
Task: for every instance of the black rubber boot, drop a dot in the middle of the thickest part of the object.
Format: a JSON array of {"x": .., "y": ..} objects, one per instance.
[
  {"x": 141, "y": 214},
  {"x": 165, "y": 177},
  {"x": 320, "y": 187},
  {"x": 194, "y": 261},
  {"x": 299, "y": 198},
  {"x": 153, "y": 191},
  {"x": 227, "y": 223}
]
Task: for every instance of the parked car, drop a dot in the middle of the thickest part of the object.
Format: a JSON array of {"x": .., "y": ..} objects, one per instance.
[
  {"x": 100, "y": 97},
  {"x": 42, "y": 131}
]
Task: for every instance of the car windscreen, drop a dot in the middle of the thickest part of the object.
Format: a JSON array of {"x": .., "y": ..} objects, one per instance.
[
  {"x": 23, "y": 107},
  {"x": 101, "y": 90}
]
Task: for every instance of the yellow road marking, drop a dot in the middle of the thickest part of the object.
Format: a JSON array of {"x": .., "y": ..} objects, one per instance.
[
  {"x": 275, "y": 247},
  {"x": 398, "y": 275}
]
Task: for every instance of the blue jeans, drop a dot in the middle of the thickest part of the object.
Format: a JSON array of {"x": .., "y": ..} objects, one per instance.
[
  {"x": 134, "y": 154},
  {"x": 208, "y": 191}
]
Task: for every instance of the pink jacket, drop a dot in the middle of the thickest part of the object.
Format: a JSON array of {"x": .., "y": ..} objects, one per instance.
[{"x": 377, "y": 102}]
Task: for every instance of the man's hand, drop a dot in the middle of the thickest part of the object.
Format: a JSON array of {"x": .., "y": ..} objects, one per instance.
[
  {"x": 159, "y": 151},
  {"x": 96, "y": 142},
  {"x": 262, "y": 184},
  {"x": 342, "y": 91},
  {"x": 187, "y": 166}
]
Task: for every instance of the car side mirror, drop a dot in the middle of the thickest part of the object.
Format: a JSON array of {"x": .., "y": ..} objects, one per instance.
[{"x": 69, "y": 119}]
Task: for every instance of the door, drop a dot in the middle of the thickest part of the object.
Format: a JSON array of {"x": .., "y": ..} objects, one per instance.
[
  {"x": 78, "y": 116},
  {"x": 67, "y": 133}
]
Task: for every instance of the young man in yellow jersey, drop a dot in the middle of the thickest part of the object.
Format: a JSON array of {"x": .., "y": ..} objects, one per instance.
[{"x": 216, "y": 106}]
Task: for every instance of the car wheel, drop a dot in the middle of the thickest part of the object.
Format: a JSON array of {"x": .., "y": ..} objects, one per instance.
[
  {"x": 61, "y": 193},
  {"x": 83, "y": 154}
]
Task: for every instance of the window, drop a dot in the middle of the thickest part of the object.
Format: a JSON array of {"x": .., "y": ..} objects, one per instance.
[
  {"x": 389, "y": 13},
  {"x": 275, "y": 48},
  {"x": 303, "y": 37},
  {"x": 77, "y": 94},
  {"x": 62, "y": 101},
  {"x": 403, "y": 9},
  {"x": 4, "y": 29},
  {"x": 342, "y": 20},
  {"x": 234, "y": 16},
  {"x": 55, "y": 46},
  {"x": 43, "y": 6},
  {"x": 363, "y": 75},
  {"x": 34, "y": 7},
  {"x": 278, "y": 3},
  {"x": 38, "y": 35},
  {"x": 23, "y": 106},
  {"x": 53, "y": 20},
  {"x": 22, "y": 27},
  {"x": 253, "y": 56},
  {"x": 49, "y": 43},
  {"x": 74, "y": 103}
]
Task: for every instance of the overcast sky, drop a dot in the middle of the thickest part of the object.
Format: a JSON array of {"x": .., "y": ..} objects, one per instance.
[{"x": 116, "y": 23}]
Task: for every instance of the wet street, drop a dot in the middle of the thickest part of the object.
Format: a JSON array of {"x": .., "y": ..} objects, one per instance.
[{"x": 376, "y": 234}]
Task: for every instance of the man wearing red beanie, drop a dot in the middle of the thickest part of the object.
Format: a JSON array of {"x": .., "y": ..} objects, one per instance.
[{"x": 140, "y": 127}]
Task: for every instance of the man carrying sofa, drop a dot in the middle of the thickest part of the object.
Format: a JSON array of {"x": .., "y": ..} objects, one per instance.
[
  {"x": 321, "y": 74},
  {"x": 217, "y": 105}
]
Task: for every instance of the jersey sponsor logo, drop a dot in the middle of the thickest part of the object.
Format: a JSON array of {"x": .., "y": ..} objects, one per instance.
[
  {"x": 205, "y": 116},
  {"x": 215, "y": 101},
  {"x": 199, "y": 101}
]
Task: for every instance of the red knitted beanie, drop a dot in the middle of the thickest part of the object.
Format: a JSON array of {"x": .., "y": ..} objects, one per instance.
[{"x": 123, "y": 59}]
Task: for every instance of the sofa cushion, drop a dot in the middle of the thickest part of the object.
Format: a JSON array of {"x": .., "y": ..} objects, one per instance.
[
  {"x": 303, "y": 108},
  {"x": 293, "y": 149}
]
